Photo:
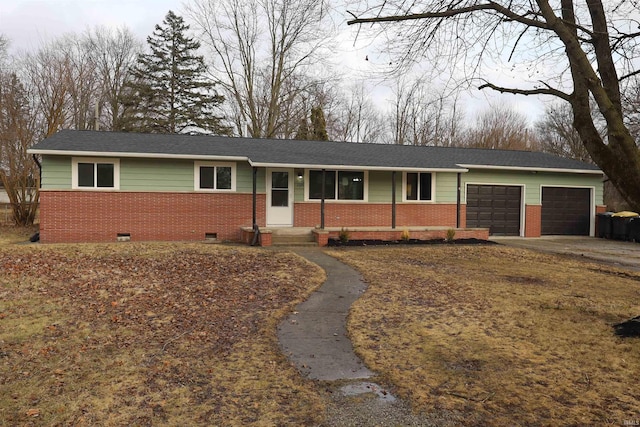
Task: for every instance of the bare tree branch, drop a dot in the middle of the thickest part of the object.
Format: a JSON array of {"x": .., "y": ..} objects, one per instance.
[
  {"x": 451, "y": 13},
  {"x": 527, "y": 92}
]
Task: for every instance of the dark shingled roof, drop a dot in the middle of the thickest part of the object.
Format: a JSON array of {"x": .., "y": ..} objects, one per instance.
[{"x": 273, "y": 152}]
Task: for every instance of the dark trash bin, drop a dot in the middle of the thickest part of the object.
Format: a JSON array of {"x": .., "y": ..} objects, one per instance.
[
  {"x": 620, "y": 225},
  {"x": 603, "y": 225},
  {"x": 634, "y": 229}
]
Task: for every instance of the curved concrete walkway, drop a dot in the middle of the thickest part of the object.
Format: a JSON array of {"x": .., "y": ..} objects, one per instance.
[{"x": 314, "y": 336}]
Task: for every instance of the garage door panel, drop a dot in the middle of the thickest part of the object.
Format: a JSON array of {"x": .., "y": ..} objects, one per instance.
[
  {"x": 566, "y": 211},
  {"x": 496, "y": 207}
]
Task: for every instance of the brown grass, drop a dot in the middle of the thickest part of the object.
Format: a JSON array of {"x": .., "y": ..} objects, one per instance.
[
  {"x": 150, "y": 334},
  {"x": 11, "y": 234},
  {"x": 505, "y": 336}
]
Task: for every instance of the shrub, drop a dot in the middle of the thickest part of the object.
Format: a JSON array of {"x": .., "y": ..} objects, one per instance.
[
  {"x": 451, "y": 235},
  {"x": 344, "y": 235},
  {"x": 405, "y": 235}
]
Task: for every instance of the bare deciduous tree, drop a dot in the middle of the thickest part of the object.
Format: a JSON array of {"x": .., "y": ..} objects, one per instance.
[
  {"x": 500, "y": 128},
  {"x": 631, "y": 104},
  {"x": 48, "y": 75},
  {"x": 575, "y": 51},
  {"x": 113, "y": 53},
  {"x": 557, "y": 135},
  {"x": 423, "y": 117},
  {"x": 18, "y": 172},
  {"x": 356, "y": 118},
  {"x": 261, "y": 48}
]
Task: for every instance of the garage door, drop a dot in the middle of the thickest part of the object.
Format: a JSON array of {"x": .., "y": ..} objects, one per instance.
[
  {"x": 566, "y": 211},
  {"x": 496, "y": 207}
]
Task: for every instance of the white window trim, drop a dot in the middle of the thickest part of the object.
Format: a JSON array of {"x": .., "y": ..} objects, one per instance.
[
  {"x": 365, "y": 188},
  {"x": 196, "y": 176},
  {"x": 404, "y": 188},
  {"x": 94, "y": 160}
]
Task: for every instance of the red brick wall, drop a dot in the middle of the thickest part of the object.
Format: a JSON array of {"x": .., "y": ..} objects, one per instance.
[
  {"x": 533, "y": 221},
  {"x": 377, "y": 215},
  {"x": 471, "y": 233},
  {"x": 93, "y": 216}
]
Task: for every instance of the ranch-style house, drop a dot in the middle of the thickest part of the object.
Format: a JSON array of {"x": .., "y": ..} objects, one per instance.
[{"x": 108, "y": 186}]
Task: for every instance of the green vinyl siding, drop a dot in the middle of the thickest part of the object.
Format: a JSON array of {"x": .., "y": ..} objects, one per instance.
[
  {"x": 56, "y": 173},
  {"x": 533, "y": 181},
  {"x": 446, "y": 187},
  {"x": 148, "y": 175},
  {"x": 244, "y": 178},
  {"x": 380, "y": 186},
  {"x": 156, "y": 175}
]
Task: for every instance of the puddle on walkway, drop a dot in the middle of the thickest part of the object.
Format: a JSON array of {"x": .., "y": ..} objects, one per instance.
[{"x": 356, "y": 389}]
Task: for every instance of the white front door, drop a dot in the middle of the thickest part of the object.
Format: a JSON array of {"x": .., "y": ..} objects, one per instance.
[{"x": 280, "y": 197}]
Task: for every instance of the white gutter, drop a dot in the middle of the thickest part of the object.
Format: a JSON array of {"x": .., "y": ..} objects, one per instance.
[
  {"x": 232, "y": 159},
  {"x": 137, "y": 155},
  {"x": 532, "y": 169},
  {"x": 352, "y": 167}
]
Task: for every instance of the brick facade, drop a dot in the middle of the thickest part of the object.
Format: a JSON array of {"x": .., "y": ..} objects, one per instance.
[
  {"x": 95, "y": 216},
  {"x": 377, "y": 215},
  {"x": 533, "y": 221},
  {"x": 464, "y": 233}
]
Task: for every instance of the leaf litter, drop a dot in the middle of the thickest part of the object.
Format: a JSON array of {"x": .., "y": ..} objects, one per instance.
[{"x": 149, "y": 334}]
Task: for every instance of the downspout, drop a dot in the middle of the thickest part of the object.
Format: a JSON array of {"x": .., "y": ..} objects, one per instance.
[
  {"x": 458, "y": 200},
  {"x": 256, "y": 229},
  {"x": 393, "y": 200},
  {"x": 35, "y": 159},
  {"x": 322, "y": 200}
]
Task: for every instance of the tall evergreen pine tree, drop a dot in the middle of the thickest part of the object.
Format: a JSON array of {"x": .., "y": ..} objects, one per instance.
[
  {"x": 318, "y": 125},
  {"x": 318, "y": 129},
  {"x": 169, "y": 92}
]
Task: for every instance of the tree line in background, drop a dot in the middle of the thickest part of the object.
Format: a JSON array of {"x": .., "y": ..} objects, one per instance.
[{"x": 235, "y": 74}]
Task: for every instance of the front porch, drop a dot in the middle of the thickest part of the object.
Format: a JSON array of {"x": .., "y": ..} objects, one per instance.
[{"x": 270, "y": 236}]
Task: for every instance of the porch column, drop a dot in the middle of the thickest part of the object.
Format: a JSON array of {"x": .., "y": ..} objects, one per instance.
[
  {"x": 393, "y": 199},
  {"x": 458, "y": 200},
  {"x": 255, "y": 201},
  {"x": 322, "y": 201}
]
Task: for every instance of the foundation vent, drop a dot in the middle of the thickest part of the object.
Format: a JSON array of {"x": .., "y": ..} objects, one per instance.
[{"x": 123, "y": 237}]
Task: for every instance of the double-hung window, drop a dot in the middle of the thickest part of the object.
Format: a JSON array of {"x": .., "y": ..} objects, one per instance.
[
  {"x": 215, "y": 176},
  {"x": 96, "y": 174},
  {"x": 338, "y": 185},
  {"x": 418, "y": 186}
]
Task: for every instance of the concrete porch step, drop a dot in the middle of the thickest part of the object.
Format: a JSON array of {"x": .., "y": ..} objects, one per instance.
[{"x": 292, "y": 237}]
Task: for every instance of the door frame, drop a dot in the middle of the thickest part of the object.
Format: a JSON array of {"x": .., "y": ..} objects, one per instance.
[{"x": 269, "y": 212}]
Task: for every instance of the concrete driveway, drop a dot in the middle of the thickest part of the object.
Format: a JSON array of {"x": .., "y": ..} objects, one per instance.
[{"x": 616, "y": 252}]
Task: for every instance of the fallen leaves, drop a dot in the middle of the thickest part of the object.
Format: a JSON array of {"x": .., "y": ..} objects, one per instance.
[
  {"x": 127, "y": 334},
  {"x": 33, "y": 413}
]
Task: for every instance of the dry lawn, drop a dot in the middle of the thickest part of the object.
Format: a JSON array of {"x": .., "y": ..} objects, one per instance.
[
  {"x": 10, "y": 234},
  {"x": 150, "y": 334},
  {"x": 502, "y": 336}
]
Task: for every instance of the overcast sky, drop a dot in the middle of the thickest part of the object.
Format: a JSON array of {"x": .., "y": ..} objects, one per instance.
[{"x": 27, "y": 23}]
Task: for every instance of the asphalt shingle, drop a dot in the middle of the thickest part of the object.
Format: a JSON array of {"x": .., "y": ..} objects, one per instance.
[{"x": 300, "y": 153}]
